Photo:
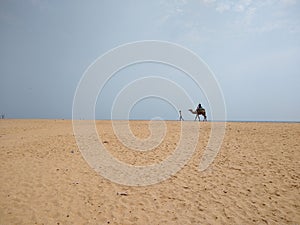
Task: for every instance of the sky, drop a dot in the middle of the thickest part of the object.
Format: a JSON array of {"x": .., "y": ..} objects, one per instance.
[{"x": 252, "y": 48}]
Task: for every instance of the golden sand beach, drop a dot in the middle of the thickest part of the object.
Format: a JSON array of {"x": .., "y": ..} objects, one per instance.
[{"x": 44, "y": 179}]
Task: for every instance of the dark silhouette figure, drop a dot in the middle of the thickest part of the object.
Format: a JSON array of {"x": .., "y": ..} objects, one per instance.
[
  {"x": 199, "y": 108},
  {"x": 180, "y": 116}
]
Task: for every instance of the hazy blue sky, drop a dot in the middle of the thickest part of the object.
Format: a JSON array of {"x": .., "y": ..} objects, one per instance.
[{"x": 253, "y": 48}]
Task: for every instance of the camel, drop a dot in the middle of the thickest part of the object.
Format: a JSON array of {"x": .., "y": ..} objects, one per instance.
[{"x": 198, "y": 113}]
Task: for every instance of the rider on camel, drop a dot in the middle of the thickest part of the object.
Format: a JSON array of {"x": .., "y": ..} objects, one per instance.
[{"x": 199, "y": 107}]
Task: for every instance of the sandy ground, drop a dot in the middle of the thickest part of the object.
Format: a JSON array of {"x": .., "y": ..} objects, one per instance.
[{"x": 44, "y": 179}]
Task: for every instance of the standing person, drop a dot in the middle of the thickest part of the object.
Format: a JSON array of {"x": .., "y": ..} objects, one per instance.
[{"x": 180, "y": 116}]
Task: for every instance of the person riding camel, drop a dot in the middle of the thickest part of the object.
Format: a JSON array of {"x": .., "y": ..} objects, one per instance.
[{"x": 199, "y": 108}]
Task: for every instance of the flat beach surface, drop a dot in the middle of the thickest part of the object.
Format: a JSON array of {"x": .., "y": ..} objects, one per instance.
[{"x": 44, "y": 179}]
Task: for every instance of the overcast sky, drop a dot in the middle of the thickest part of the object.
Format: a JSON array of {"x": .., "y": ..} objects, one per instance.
[{"x": 253, "y": 48}]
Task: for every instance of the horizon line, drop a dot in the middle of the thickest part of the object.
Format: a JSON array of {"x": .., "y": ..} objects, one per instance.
[{"x": 192, "y": 120}]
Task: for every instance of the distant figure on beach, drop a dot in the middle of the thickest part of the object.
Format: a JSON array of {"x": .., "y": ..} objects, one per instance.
[
  {"x": 180, "y": 116},
  {"x": 199, "y": 111},
  {"x": 199, "y": 107}
]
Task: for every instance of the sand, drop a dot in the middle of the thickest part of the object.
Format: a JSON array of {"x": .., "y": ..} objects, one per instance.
[{"x": 44, "y": 179}]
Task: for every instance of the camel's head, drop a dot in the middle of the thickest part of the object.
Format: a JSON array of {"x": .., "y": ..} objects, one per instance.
[{"x": 190, "y": 110}]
